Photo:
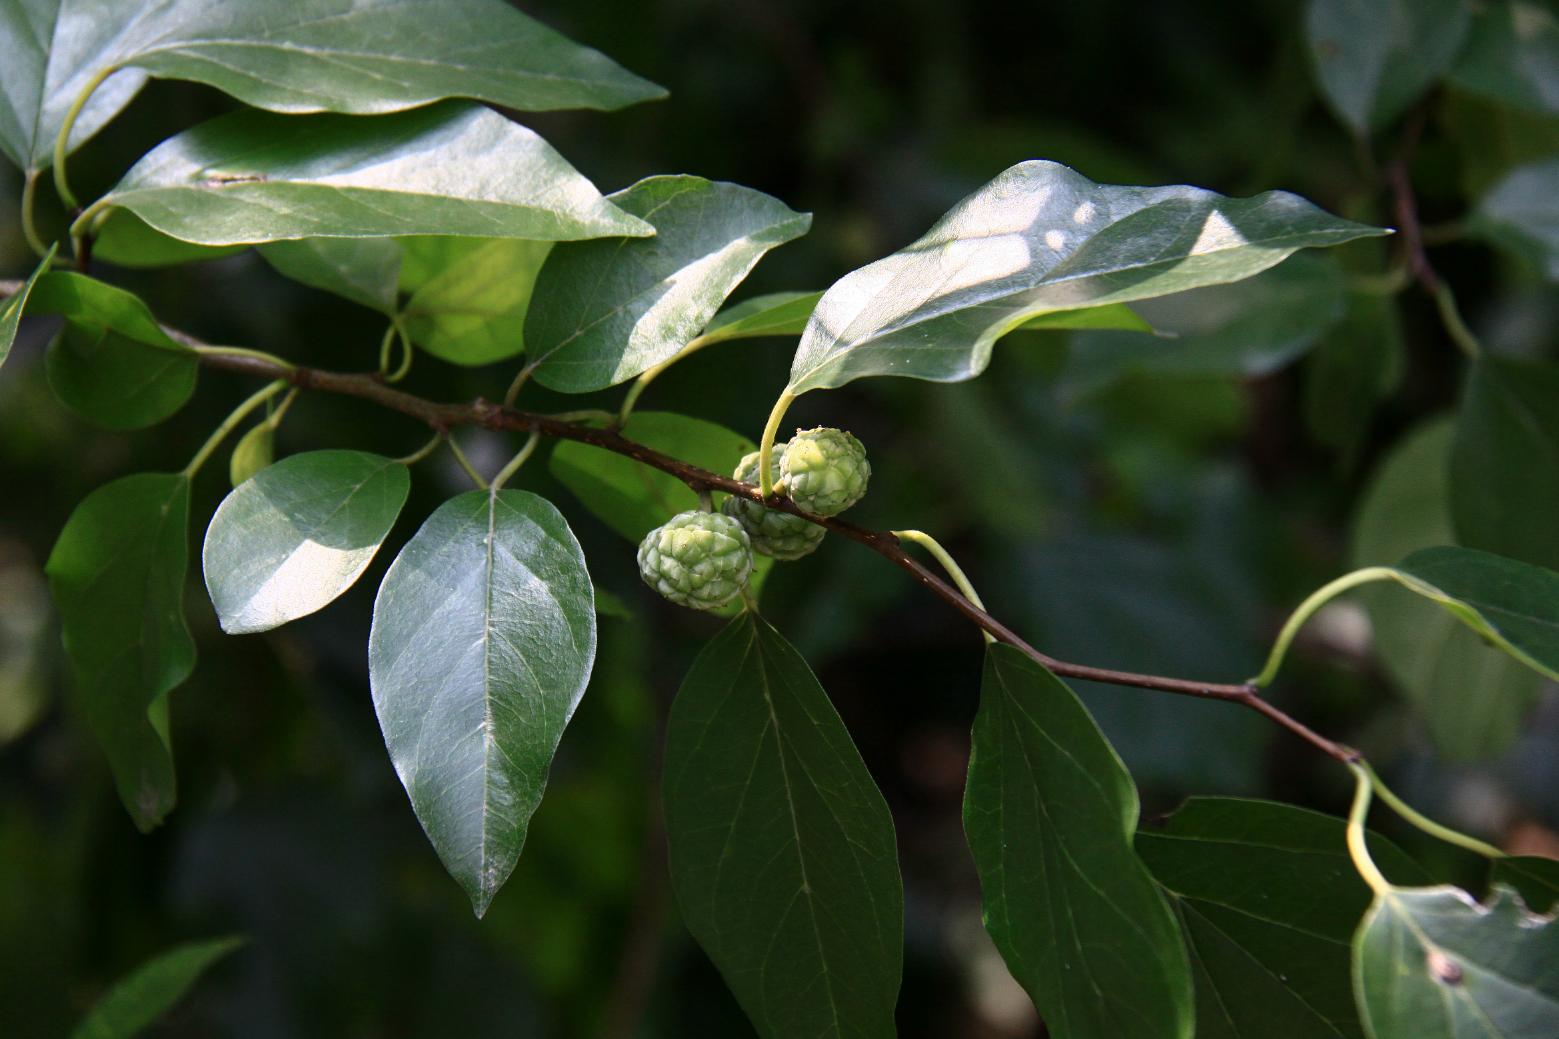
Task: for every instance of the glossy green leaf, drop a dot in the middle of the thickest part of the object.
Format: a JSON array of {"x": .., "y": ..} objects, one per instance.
[
  {"x": 473, "y": 310},
  {"x": 608, "y": 310},
  {"x": 1374, "y": 58},
  {"x": 253, "y": 177},
  {"x": 289, "y": 541},
  {"x": 117, "y": 574},
  {"x": 1505, "y": 464},
  {"x": 1431, "y": 963},
  {"x": 363, "y": 270},
  {"x": 782, "y": 850},
  {"x": 255, "y": 450},
  {"x": 112, "y": 363},
  {"x": 148, "y": 993},
  {"x": 12, "y": 307},
  {"x": 1512, "y": 54},
  {"x": 1537, "y": 879},
  {"x": 1353, "y": 368},
  {"x": 1471, "y": 696},
  {"x": 1514, "y": 605},
  {"x": 358, "y": 56},
  {"x": 483, "y": 637},
  {"x": 1041, "y": 238},
  {"x": 1521, "y": 214},
  {"x": 1114, "y": 316},
  {"x": 1268, "y": 900},
  {"x": 1249, "y": 328},
  {"x": 125, "y": 240},
  {"x": 1049, "y": 811},
  {"x": 775, "y": 314}
]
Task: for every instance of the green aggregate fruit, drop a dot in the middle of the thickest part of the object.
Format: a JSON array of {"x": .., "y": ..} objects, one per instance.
[
  {"x": 777, "y": 534},
  {"x": 697, "y": 559},
  {"x": 824, "y": 470}
]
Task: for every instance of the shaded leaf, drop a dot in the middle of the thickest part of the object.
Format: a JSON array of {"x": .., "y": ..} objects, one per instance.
[
  {"x": 782, "y": 850},
  {"x": 1376, "y": 58},
  {"x": 364, "y": 57},
  {"x": 1430, "y": 963},
  {"x": 255, "y": 450},
  {"x": 472, "y": 311},
  {"x": 363, "y": 270},
  {"x": 1117, "y": 316},
  {"x": 1512, "y": 54},
  {"x": 112, "y": 363},
  {"x": 1049, "y": 811},
  {"x": 125, "y": 240},
  {"x": 1505, "y": 463},
  {"x": 13, "y": 306},
  {"x": 1537, "y": 879},
  {"x": 483, "y": 637},
  {"x": 1472, "y": 696},
  {"x": 1269, "y": 901},
  {"x": 775, "y": 314},
  {"x": 117, "y": 575},
  {"x": 253, "y": 177},
  {"x": 289, "y": 541},
  {"x": 148, "y": 993},
  {"x": 1354, "y": 367},
  {"x": 1041, "y": 238},
  {"x": 608, "y": 310},
  {"x": 1521, "y": 214}
]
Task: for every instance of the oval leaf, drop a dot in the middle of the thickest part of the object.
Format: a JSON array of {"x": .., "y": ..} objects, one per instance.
[
  {"x": 473, "y": 310},
  {"x": 1049, "y": 811},
  {"x": 1269, "y": 901},
  {"x": 1375, "y": 59},
  {"x": 289, "y": 541},
  {"x": 254, "y": 177},
  {"x": 483, "y": 637},
  {"x": 365, "y": 57},
  {"x": 117, "y": 574},
  {"x": 147, "y": 994},
  {"x": 607, "y": 311},
  {"x": 781, "y": 848},
  {"x": 1512, "y": 54},
  {"x": 1430, "y": 963},
  {"x": 11, "y": 310},
  {"x": 1521, "y": 214},
  {"x": 254, "y": 451},
  {"x": 1505, "y": 465},
  {"x": 1041, "y": 238}
]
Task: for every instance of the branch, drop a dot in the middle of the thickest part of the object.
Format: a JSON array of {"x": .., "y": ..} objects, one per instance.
[{"x": 481, "y": 413}]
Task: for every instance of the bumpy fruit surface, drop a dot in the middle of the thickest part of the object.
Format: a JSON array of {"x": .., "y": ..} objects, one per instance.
[
  {"x": 825, "y": 470},
  {"x": 777, "y": 534},
  {"x": 697, "y": 559}
]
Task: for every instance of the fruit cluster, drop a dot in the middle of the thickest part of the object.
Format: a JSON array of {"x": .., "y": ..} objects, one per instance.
[{"x": 703, "y": 559}]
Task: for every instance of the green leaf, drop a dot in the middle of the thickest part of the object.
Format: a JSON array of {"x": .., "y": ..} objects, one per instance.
[
  {"x": 1430, "y": 963},
  {"x": 1116, "y": 316},
  {"x": 483, "y": 637},
  {"x": 366, "y": 57},
  {"x": 1354, "y": 368},
  {"x": 775, "y": 314},
  {"x": 11, "y": 310},
  {"x": 781, "y": 848},
  {"x": 112, "y": 363},
  {"x": 1536, "y": 878},
  {"x": 1268, "y": 900},
  {"x": 144, "y": 996},
  {"x": 1512, "y": 54},
  {"x": 1472, "y": 696},
  {"x": 1513, "y": 604},
  {"x": 253, "y": 177},
  {"x": 1249, "y": 328},
  {"x": 363, "y": 270},
  {"x": 1505, "y": 465},
  {"x": 289, "y": 541},
  {"x": 473, "y": 310},
  {"x": 1041, "y": 238},
  {"x": 634, "y": 499},
  {"x": 117, "y": 574},
  {"x": 125, "y": 240},
  {"x": 1374, "y": 59},
  {"x": 255, "y": 450},
  {"x": 606, "y": 311},
  {"x": 1049, "y": 811},
  {"x": 1521, "y": 213}
]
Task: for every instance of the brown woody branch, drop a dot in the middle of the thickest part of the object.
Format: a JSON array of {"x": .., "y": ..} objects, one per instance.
[{"x": 443, "y": 417}]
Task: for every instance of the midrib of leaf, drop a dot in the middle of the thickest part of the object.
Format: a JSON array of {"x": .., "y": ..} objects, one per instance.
[
  {"x": 756, "y": 645},
  {"x": 488, "y": 742}
]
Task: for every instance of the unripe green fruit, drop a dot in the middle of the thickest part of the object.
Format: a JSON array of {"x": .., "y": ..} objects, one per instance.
[
  {"x": 777, "y": 534},
  {"x": 697, "y": 559},
  {"x": 825, "y": 470}
]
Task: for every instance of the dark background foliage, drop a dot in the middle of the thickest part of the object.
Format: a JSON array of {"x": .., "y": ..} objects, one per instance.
[{"x": 1162, "y": 522}]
